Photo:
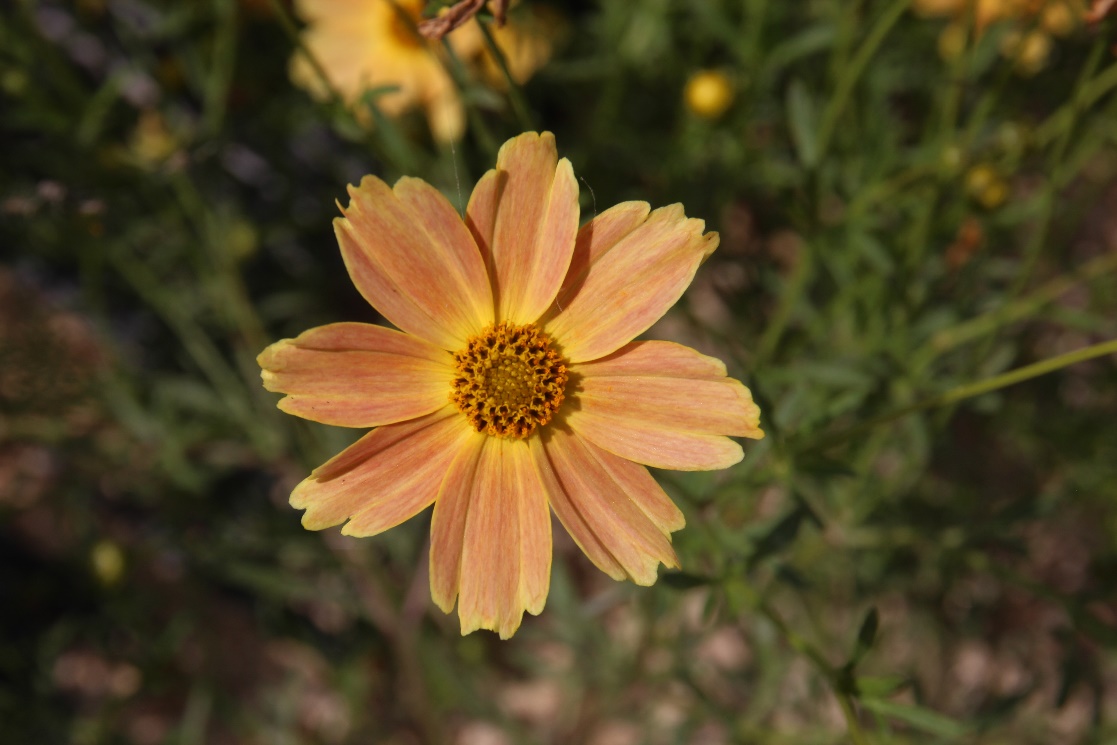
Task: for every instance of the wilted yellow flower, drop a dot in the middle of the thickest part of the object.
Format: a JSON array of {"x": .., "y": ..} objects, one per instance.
[
  {"x": 514, "y": 387},
  {"x": 368, "y": 44},
  {"x": 708, "y": 93}
]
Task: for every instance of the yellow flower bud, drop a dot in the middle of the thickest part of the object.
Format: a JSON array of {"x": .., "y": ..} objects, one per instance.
[
  {"x": 952, "y": 42},
  {"x": 708, "y": 94},
  {"x": 1028, "y": 52},
  {"x": 986, "y": 186},
  {"x": 108, "y": 562}
]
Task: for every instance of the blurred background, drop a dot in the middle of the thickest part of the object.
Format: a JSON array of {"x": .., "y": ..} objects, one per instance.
[{"x": 912, "y": 196}]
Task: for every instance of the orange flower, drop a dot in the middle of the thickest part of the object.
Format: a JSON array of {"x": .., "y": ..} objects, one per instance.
[
  {"x": 367, "y": 44},
  {"x": 513, "y": 383}
]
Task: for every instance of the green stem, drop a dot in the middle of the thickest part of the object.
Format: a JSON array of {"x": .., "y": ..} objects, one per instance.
[
  {"x": 857, "y": 66},
  {"x": 1063, "y": 119},
  {"x": 801, "y": 645},
  {"x": 1078, "y": 105},
  {"x": 969, "y": 390},
  {"x": 789, "y": 300},
  {"x": 519, "y": 104},
  {"x": 292, "y": 31},
  {"x": 975, "y": 328}
]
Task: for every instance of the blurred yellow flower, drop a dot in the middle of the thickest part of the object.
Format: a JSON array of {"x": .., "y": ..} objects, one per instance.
[
  {"x": 527, "y": 42},
  {"x": 1028, "y": 45},
  {"x": 152, "y": 142},
  {"x": 986, "y": 186},
  {"x": 368, "y": 44},
  {"x": 708, "y": 93}
]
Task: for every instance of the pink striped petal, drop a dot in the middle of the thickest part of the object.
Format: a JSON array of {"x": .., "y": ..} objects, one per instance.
[
  {"x": 357, "y": 375},
  {"x": 663, "y": 405},
  {"x": 448, "y": 523},
  {"x": 599, "y": 512},
  {"x": 480, "y": 213},
  {"x": 411, "y": 257},
  {"x": 532, "y": 203},
  {"x": 655, "y": 446},
  {"x": 709, "y": 407},
  {"x": 491, "y": 537},
  {"x": 630, "y": 285},
  {"x": 664, "y": 358},
  {"x": 595, "y": 238},
  {"x": 644, "y": 491},
  {"x": 506, "y": 551},
  {"x": 571, "y": 519},
  {"x": 386, "y": 477}
]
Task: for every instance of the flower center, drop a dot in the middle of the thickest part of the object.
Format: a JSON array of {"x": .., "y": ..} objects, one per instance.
[{"x": 509, "y": 380}]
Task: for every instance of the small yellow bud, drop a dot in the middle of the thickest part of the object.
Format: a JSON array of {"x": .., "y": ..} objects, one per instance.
[
  {"x": 951, "y": 159},
  {"x": 708, "y": 94},
  {"x": 1058, "y": 18},
  {"x": 108, "y": 562},
  {"x": 952, "y": 42},
  {"x": 1028, "y": 52},
  {"x": 986, "y": 186}
]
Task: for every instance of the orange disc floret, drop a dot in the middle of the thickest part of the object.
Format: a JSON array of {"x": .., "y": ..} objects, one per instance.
[{"x": 509, "y": 380}]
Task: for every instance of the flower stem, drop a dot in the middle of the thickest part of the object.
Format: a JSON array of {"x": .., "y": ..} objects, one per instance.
[
  {"x": 969, "y": 390},
  {"x": 519, "y": 105},
  {"x": 852, "y": 73},
  {"x": 801, "y": 645}
]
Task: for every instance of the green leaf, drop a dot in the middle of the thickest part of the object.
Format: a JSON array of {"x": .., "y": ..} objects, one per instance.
[
  {"x": 803, "y": 122},
  {"x": 781, "y": 535},
  {"x": 917, "y": 716},
  {"x": 879, "y": 686},
  {"x": 866, "y": 635}
]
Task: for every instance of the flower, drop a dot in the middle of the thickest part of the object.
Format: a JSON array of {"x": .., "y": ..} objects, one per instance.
[
  {"x": 367, "y": 44},
  {"x": 1028, "y": 45},
  {"x": 513, "y": 384},
  {"x": 708, "y": 93}
]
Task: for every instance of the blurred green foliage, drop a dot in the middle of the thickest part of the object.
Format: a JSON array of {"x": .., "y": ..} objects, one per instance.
[{"x": 895, "y": 226}]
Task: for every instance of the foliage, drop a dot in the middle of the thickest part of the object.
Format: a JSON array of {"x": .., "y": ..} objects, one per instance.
[{"x": 901, "y": 560}]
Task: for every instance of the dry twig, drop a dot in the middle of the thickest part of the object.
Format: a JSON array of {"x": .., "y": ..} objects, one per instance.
[{"x": 457, "y": 14}]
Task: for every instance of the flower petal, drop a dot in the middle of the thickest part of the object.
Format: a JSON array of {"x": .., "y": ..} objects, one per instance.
[
  {"x": 386, "y": 477},
  {"x": 410, "y": 256},
  {"x": 655, "y": 446},
  {"x": 642, "y": 489},
  {"x": 598, "y": 510},
  {"x": 448, "y": 523},
  {"x": 491, "y": 537},
  {"x": 506, "y": 548},
  {"x": 665, "y": 358},
  {"x": 534, "y": 203},
  {"x": 709, "y": 407},
  {"x": 595, "y": 238},
  {"x": 357, "y": 375},
  {"x": 663, "y": 405},
  {"x": 480, "y": 213},
  {"x": 629, "y": 285}
]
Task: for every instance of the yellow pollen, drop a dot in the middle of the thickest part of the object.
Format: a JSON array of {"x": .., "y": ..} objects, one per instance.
[{"x": 509, "y": 380}]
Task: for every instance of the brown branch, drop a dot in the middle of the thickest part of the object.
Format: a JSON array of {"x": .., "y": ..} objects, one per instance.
[{"x": 457, "y": 14}]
